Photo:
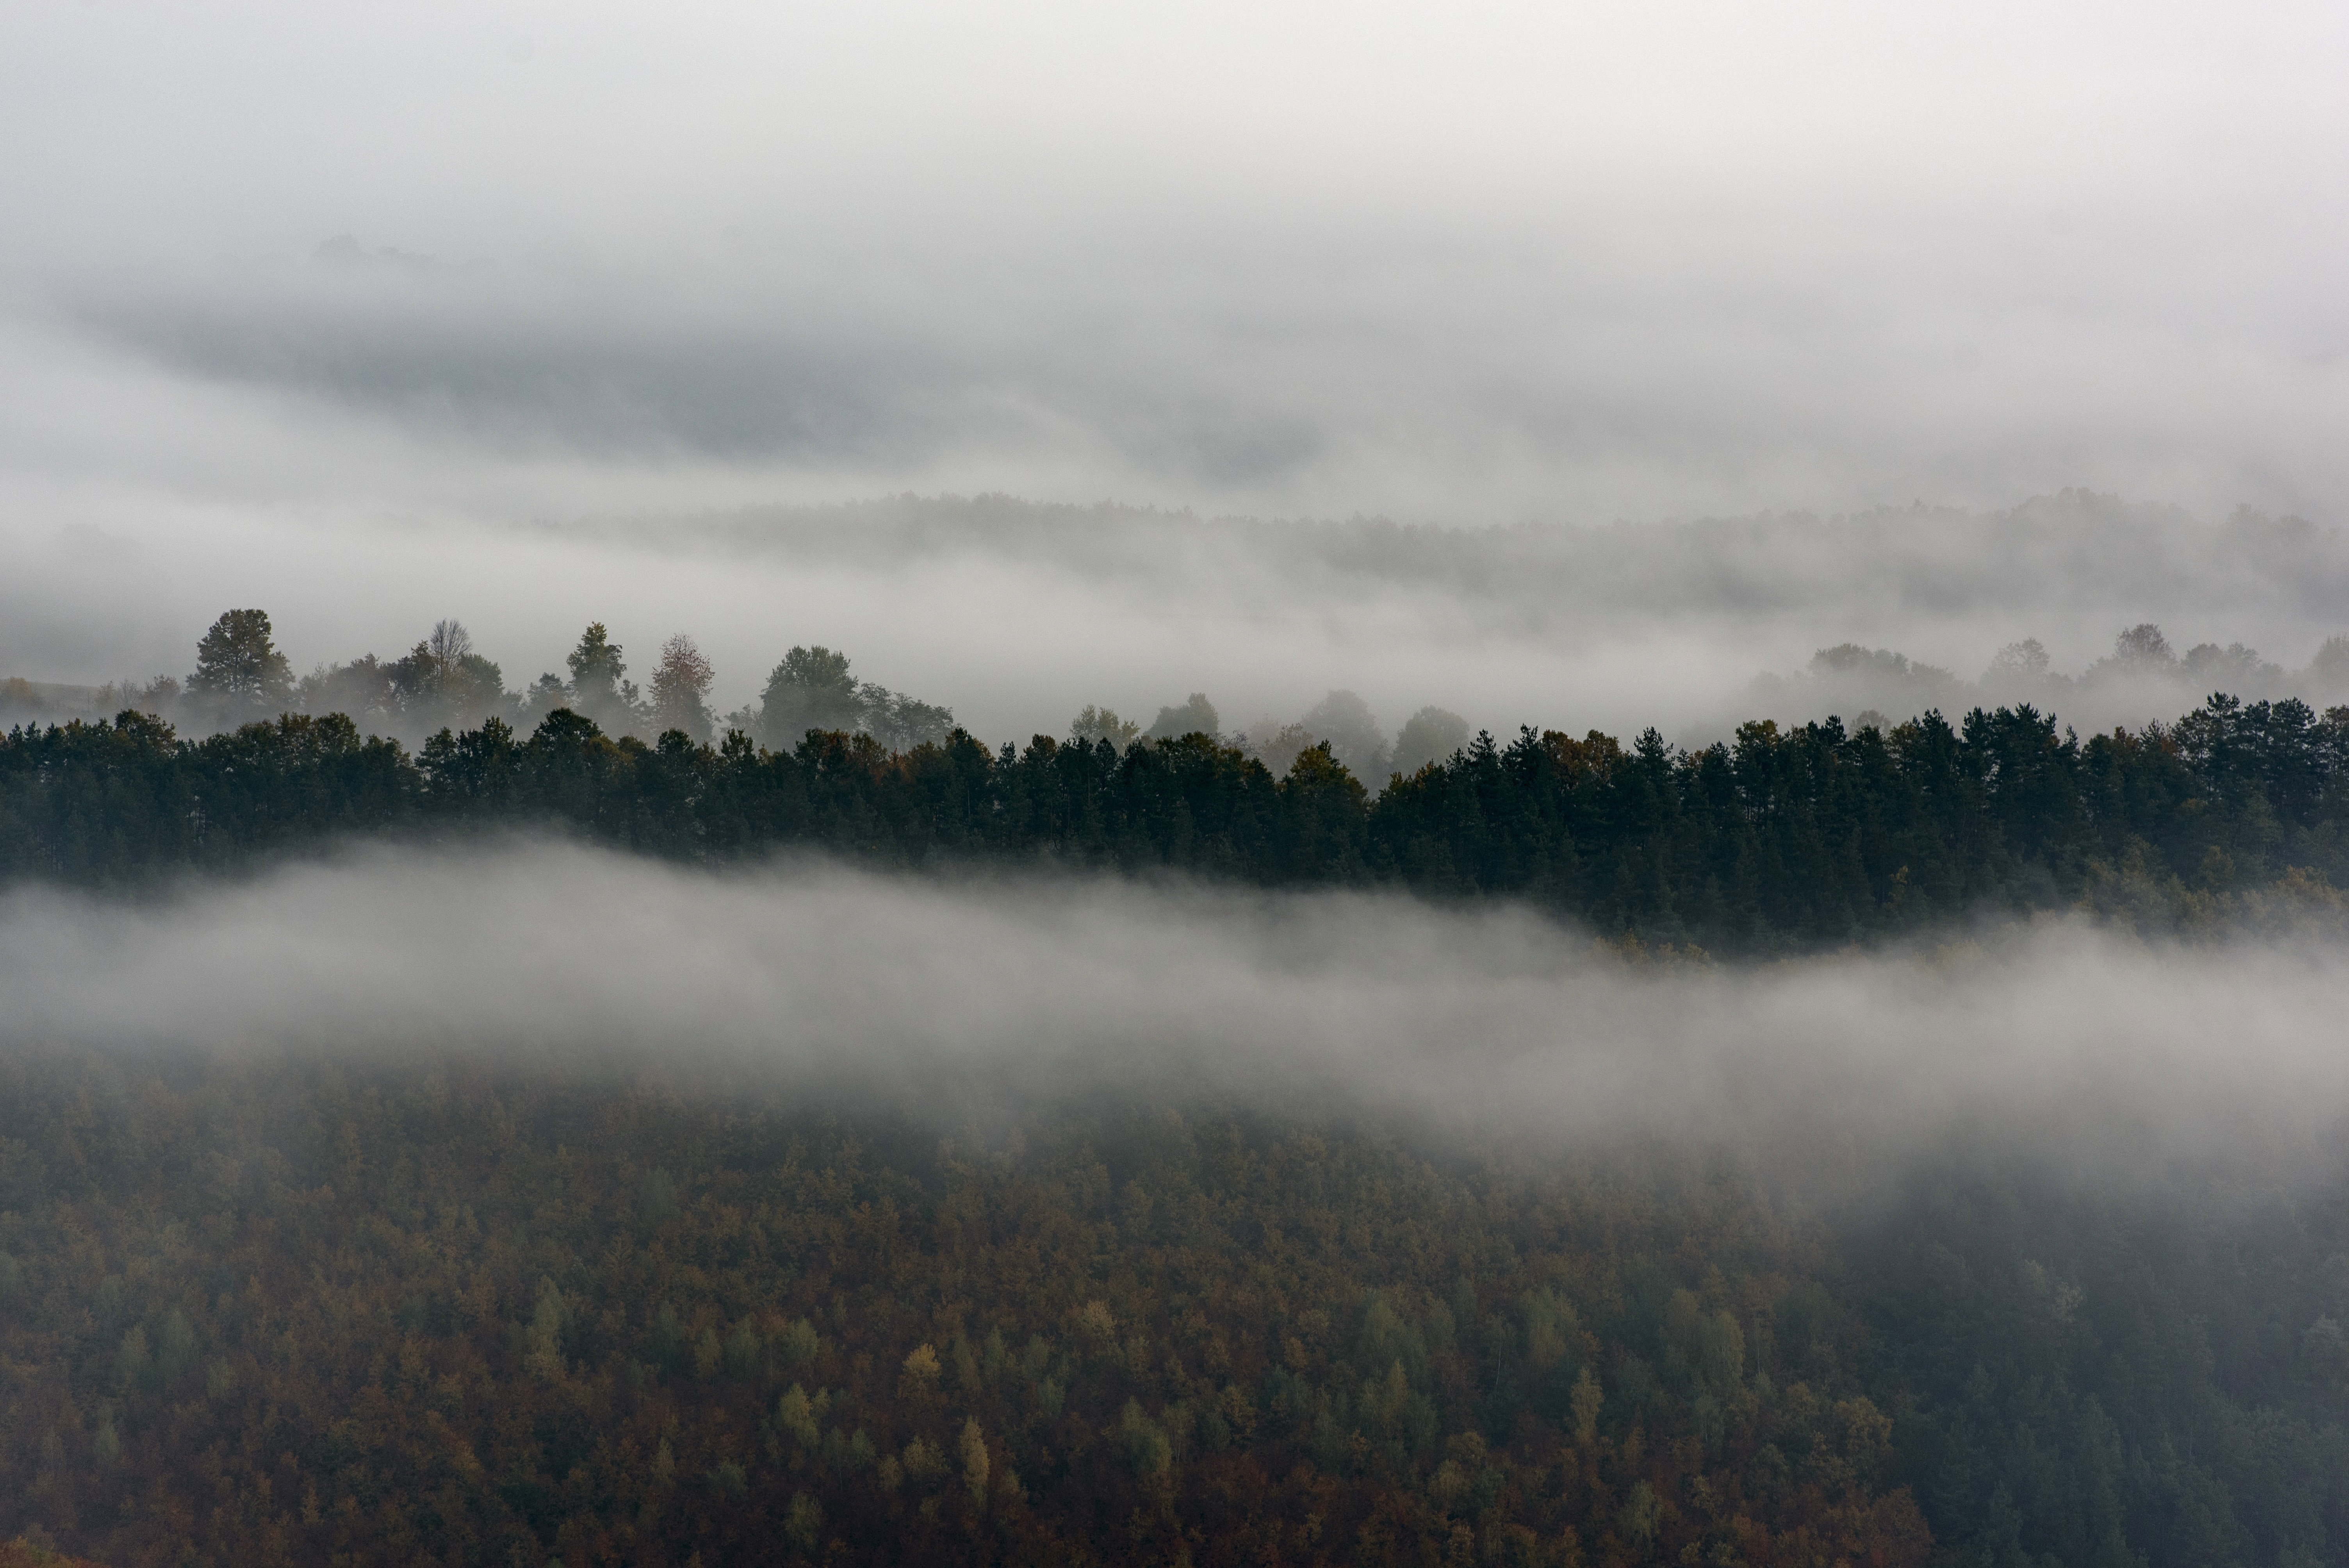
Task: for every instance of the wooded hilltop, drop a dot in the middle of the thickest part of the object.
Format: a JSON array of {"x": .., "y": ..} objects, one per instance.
[{"x": 1782, "y": 840}]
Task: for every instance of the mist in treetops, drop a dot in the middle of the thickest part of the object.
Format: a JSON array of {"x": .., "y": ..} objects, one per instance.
[{"x": 1423, "y": 635}]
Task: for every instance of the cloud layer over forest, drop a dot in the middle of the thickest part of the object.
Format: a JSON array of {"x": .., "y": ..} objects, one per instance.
[
  {"x": 1017, "y": 615},
  {"x": 963, "y": 1005}
]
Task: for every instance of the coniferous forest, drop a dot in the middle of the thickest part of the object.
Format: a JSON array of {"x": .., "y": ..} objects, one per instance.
[{"x": 1779, "y": 841}]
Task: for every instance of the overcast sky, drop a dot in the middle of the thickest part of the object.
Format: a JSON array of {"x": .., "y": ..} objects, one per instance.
[{"x": 289, "y": 292}]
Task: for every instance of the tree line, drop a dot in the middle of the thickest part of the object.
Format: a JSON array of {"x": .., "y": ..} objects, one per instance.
[
  {"x": 241, "y": 676},
  {"x": 1778, "y": 840},
  {"x": 2143, "y": 674}
]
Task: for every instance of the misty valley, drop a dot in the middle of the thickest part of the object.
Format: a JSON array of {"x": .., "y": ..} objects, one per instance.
[
  {"x": 295, "y": 1299},
  {"x": 1210, "y": 786}
]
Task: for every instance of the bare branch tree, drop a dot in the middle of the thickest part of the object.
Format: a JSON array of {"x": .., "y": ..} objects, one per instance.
[{"x": 680, "y": 687}]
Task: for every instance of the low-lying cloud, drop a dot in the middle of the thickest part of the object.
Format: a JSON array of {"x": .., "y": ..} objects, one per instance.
[
  {"x": 1017, "y": 615},
  {"x": 968, "y": 1003}
]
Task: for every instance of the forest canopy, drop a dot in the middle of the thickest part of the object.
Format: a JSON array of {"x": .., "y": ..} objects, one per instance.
[
  {"x": 1780, "y": 838},
  {"x": 314, "y": 1307}
]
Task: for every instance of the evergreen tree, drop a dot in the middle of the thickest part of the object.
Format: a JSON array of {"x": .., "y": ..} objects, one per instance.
[
  {"x": 239, "y": 665},
  {"x": 598, "y": 686}
]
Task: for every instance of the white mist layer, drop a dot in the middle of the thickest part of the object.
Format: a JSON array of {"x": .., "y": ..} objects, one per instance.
[
  {"x": 1016, "y": 615},
  {"x": 956, "y": 1000}
]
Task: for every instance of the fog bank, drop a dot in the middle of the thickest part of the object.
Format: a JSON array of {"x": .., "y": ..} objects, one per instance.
[
  {"x": 965, "y": 1004},
  {"x": 1017, "y": 615}
]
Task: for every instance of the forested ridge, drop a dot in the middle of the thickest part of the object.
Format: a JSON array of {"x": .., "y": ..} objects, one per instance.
[
  {"x": 302, "y": 1311},
  {"x": 1781, "y": 839}
]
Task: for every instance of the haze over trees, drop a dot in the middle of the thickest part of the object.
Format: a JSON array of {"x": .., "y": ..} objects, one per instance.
[
  {"x": 1098, "y": 724},
  {"x": 442, "y": 683},
  {"x": 1428, "y": 735},
  {"x": 1782, "y": 839},
  {"x": 2143, "y": 677},
  {"x": 810, "y": 689},
  {"x": 319, "y": 1306},
  {"x": 1194, "y": 715}
]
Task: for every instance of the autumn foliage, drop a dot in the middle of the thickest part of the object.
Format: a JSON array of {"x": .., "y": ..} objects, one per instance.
[{"x": 304, "y": 1313}]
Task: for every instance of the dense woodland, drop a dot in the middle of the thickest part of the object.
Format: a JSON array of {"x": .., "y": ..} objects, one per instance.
[
  {"x": 1782, "y": 839},
  {"x": 292, "y": 1310}
]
